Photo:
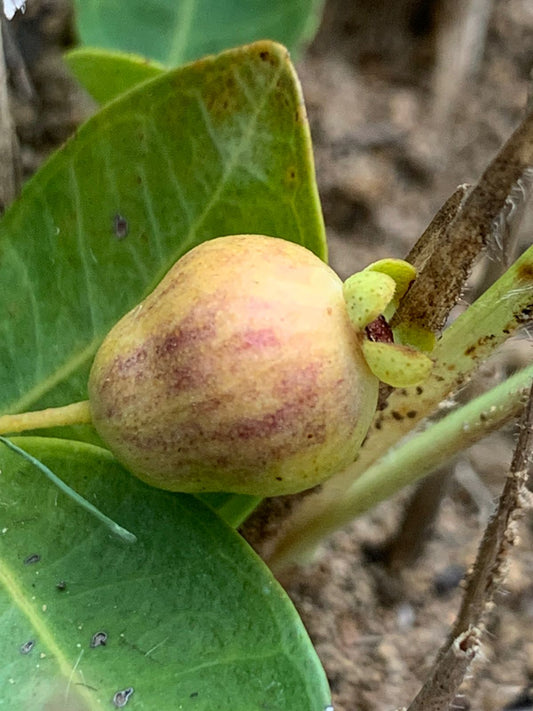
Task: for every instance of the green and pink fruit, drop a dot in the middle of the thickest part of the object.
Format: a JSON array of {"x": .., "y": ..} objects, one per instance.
[{"x": 240, "y": 372}]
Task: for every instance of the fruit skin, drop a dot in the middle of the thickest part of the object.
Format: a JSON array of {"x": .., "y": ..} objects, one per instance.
[{"x": 240, "y": 372}]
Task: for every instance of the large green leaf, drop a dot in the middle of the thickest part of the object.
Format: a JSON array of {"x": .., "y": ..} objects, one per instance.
[
  {"x": 176, "y": 31},
  {"x": 193, "y": 618},
  {"x": 106, "y": 75},
  {"x": 218, "y": 147}
]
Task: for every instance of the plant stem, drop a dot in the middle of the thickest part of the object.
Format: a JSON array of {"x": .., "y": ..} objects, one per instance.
[
  {"x": 487, "y": 576},
  {"x": 401, "y": 466},
  {"x": 77, "y": 413},
  {"x": 441, "y": 687},
  {"x": 490, "y": 567},
  {"x": 407, "y": 543},
  {"x": 494, "y": 317}
]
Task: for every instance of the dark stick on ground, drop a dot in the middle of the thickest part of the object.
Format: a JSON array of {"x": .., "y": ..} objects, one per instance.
[
  {"x": 418, "y": 519},
  {"x": 488, "y": 573}
]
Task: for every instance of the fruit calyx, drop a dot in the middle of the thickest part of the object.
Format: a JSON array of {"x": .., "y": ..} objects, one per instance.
[{"x": 372, "y": 296}]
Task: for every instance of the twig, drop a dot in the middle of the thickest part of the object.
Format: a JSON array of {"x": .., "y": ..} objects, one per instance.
[
  {"x": 433, "y": 235},
  {"x": 487, "y": 575},
  {"x": 408, "y": 542},
  {"x": 449, "y": 225},
  {"x": 420, "y": 254},
  {"x": 444, "y": 274},
  {"x": 16, "y": 66},
  {"x": 441, "y": 688},
  {"x": 490, "y": 566},
  {"x": 10, "y": 173}
]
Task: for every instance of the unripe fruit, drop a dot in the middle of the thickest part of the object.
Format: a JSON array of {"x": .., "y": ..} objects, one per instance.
[{"x": 240, "y": 372}]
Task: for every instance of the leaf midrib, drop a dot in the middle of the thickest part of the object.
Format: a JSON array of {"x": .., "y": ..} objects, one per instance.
[
  {"x": 181, "y": 32},
  {"x": 59, "y": 375},
  {"x": 44, "y": 634}
]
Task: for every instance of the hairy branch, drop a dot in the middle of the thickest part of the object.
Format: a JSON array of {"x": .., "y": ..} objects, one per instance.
[
  {"x": 487, "y": 575},
  {"x": 490, "y": 567}
]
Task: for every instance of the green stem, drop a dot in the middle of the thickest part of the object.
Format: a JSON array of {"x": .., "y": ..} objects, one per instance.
[
  {"x": 77, "y": 413},
  {"x": 488, "y": 322},
  {"x": 77, "y": 498},
  {"x": 469, "y": 341},
  {"x": 400, "y": 467}
]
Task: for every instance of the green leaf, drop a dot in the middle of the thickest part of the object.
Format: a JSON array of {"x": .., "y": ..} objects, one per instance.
[
  {"x": 193, "y": 618},
  {"x": 106, "y": 75},
  {"x": 177, "y": 31},
  {"x": 219, "y": 147}
]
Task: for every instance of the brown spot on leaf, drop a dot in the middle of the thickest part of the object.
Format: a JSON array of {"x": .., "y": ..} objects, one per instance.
[
  {"x": 525, "y": 314},
  {"x": 525, "y": 272}
]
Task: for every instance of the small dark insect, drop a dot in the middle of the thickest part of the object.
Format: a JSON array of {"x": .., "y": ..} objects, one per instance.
[
  {"x": 120, "y": 226},
  {"x": 27, "y": 646},
  {"x": 99, "y": 639},
  {"x": 61, "y": 585},
  {"x": 121, "y": 698},
  {"x": 33, "y": 558}
]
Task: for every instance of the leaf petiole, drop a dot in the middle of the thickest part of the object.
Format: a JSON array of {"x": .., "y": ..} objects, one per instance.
[{"x": 77, "y": 413}]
